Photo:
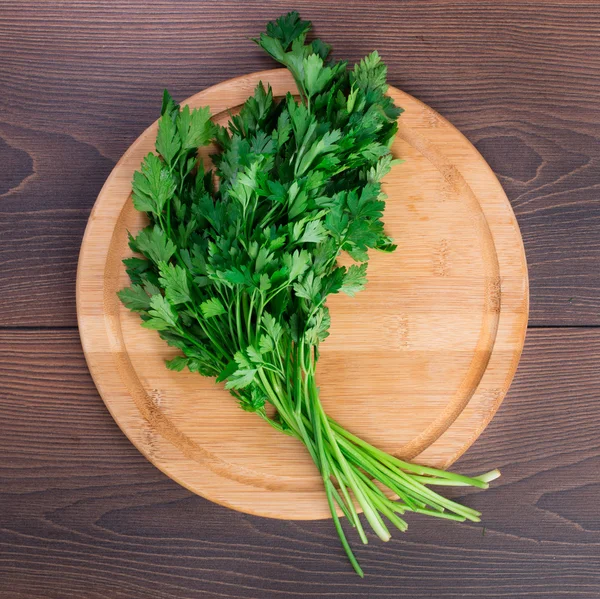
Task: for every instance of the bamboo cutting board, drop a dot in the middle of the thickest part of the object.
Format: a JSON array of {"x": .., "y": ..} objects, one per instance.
[{"x": 417, "y": 364}]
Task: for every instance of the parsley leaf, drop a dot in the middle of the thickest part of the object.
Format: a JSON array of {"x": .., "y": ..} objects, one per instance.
[
  {"x": 154, "y": 244},
  {"x": 135, "y": 298},
  {"x": 355, "y": 279},
  {"x": 168, "y": 143},
  {"x": 152, "y": 186},
  {"x": 212, "y": 307},
  {"x": 175, "y": 281},
  {"x": 163, "y": 314}
]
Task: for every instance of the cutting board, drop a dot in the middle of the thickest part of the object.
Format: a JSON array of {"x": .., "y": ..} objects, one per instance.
[{"x": 416, "y": 364}]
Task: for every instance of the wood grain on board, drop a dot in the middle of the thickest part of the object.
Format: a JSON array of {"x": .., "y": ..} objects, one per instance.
[
  {"x": 83, "y": 514},
  {"x": 80, "y": 81}
]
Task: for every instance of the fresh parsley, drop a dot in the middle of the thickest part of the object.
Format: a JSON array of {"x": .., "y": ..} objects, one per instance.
[{"x": 237, "y": 276}]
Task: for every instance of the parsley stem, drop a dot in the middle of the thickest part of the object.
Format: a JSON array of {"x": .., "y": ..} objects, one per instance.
[
  {"x": 416, "y": 468},
  {"x": 371, "y": 515},
  {"x": 239, "y": 321},
  {"x": 324, "y": 467},
  {"x": 340, "y": 531},
  {"x": 273, "y": 397},
  {"x": 352, "y": 513}
]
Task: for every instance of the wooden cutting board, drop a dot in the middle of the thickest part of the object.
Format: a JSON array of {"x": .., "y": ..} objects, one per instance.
[{"x": 417, "y": 364}]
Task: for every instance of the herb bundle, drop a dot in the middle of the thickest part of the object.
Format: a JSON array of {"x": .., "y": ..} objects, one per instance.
[{"x": 236, "y": 276}]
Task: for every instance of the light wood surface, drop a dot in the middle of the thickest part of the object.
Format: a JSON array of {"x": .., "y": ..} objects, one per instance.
[{"x": 418, "y": 363}]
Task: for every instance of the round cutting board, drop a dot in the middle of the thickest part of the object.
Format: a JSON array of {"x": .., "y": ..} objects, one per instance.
[{"x": 416, "y": 364}]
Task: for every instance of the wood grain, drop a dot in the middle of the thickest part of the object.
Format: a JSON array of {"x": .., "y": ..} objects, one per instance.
[
  {"x": 84, "y": 515},
  {"x": 436, "y": 336},
  {"x": 81, "y": 80}
]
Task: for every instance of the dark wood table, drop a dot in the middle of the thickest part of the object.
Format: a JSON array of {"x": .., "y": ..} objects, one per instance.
[{"x": 82, "y": 514}]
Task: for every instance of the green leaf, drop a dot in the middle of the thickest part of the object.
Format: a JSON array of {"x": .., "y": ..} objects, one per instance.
[
  {"x": 263, "y": 259},
  {"x": 272, "y": 327},
  {"x": 313, "y": 233},
  {"x": 168, "y": 143},
  {"x": 278, "y": 193},
  {"x": 195, "y": 127},
  {"x": 303, "y": 122},
  {"x": 370, "y": 74},
  {"x": 135, "y": 268},
  {"x": 212, "y": 307},
  {"x": 336, "y": 222},
  {"x": 234, "y": 276},
  {"x": 321, "y": 48},
  {"x": 162, "y": 311},
  {"x": 131, "y": 242},
  {"x": 264, "y": 283},
  {"x": 332, "y": 283},
  {"x": 382, "y": 168},
  {"x": 287, "y": 28},
  {"x": 150, "y": 288},
  {"x": 241, "y": 378},
  {"x": 175, "y": 281},
  {"x": 152, "y": 185},
  {"x": 284, "y": 128},
  {"x": 262, "y": 144},
  {"x": 254, "y": 401},
  {"x": 361, "y": 234},
  {"x": 156, "y": 324},
  {"x": 201, "y": 366},
  {"x": 386, "y": 244},
  {"x": 358, "y": 254},
  {"x": 265, "y": 344},
  {"x": 254, "y": 355},
  {"x": 295, "y": 230},
  {"x": 325, "y": 144},
  {"x": 316, "y": 76},
  {"x": 177, "y": 364},
  {"x": 351, "y": 101},
  {"x": 154, "y": 243},
  {"x": 168, "y": 104},
  {"x": 272, "y": 46},
  {"x": 297, "y": 202},
  {"x": 319, "y": 329},
  {"x": 355, "y": 279},
  {"x": 309, "y": 287},
  {"x": 134, "y": 298},
  {"x": 231, "y": 367},
  {"x": 296, "y": 263}
]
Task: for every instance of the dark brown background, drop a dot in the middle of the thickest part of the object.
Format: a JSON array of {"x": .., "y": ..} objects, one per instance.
[{"x": 82, "y": 514}]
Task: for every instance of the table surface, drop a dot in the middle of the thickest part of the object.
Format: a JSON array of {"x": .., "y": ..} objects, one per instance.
[{"x": 83, "y": 514}]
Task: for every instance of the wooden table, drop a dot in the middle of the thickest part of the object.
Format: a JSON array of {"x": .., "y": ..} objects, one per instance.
[{"x": 83, "y": 514}]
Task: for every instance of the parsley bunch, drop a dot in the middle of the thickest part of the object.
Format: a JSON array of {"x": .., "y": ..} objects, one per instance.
[{"x": 236, "y": 275}]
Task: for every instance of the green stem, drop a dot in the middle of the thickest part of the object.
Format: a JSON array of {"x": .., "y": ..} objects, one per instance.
[
  {"x": 249, "y": 319},
  {"x": 341, "y": 535},
  {"x": 416, "y": 468},
  {"x": 353, "y": 514},
  {"x": 421, "y": 492},
  {"x": 279, "y": 406},
  {"x": 371, "y": 514},
  {"x": 238, "y": 318},
  {"x": 324, "y": 467}
]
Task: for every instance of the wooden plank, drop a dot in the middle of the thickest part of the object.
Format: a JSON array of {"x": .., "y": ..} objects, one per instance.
[
  {"x": 83, "y": 514},
  {"x": 81, "y": 81}
]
